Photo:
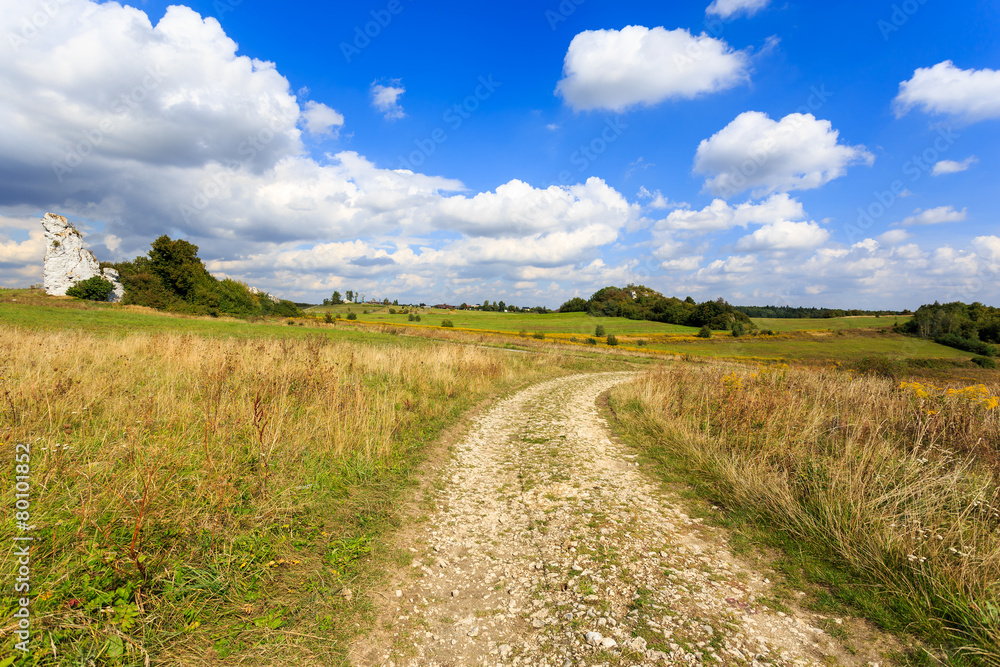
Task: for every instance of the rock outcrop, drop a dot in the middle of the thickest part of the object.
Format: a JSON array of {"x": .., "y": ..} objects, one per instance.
[
  {"x": 67, "y": 262},
  {"x": 255, "y": 291}
]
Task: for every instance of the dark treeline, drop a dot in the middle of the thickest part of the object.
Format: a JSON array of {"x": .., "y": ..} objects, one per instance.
[
  {"x": 970, "y": 327},
  {"x": 172, "y": 277},
  {"x": 637, "y": 302},
  {"x": 799, "y": 312}
]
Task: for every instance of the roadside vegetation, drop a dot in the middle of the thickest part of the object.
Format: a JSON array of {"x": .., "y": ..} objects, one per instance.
[
  {"x": 209, "y": 489},
  {"x": 881, "y": 492}
]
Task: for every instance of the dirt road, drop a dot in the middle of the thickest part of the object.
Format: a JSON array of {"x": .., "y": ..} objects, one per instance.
[{"x": 549, "y": 546}]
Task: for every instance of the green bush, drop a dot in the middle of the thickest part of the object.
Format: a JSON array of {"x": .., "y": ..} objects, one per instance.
[
  {"x": 641, "y": 343},
  {"x": 599, "y": 331},
  {"x": 418, "y": 318},
  {"x": 612, "y": 340},
  {"x": 984, "y": 362},
  {"x": 411, "y": 317},
  {"x": 92, "y": 289},
  {"x": 328, "y": 317},
  {"x": 352, "y": 316},
  {"x": 967, "y": 344},
  {"x": 447, "y": 323},
  {"x": 591, "y": 341},
  {"x": 704, "y": 332},
  {"x": 539, "y": 335},
  {"x": 738, "y": 329}
]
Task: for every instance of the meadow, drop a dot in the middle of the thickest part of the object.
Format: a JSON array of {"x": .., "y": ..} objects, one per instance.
[
  {"x": 882, "y": 495},
  {"x": 206, "y": 490},
  {"x": 214, "y": 489}
]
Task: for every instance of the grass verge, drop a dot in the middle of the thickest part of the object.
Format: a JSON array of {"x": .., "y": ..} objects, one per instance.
[{"x": 884, "y": 493}]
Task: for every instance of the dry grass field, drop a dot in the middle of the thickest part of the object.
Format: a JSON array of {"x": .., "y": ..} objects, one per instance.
[
  {"x": 197, "y": 498},
  {"x": 884, "y": 492}
]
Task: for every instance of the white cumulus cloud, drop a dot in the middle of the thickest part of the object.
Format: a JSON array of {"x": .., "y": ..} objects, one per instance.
[
  {"x": 953, "y": 167},
  {"x": 784, "y": 235},
  {"x": 616, "y": 69},
  {"x": 321, "y": 120},
  {"x": 728, "y": 8},
  {"x": 799, "y": 152},
  {"x": 719, "y": 215},
  {"x": 934, "y": 216},
  {"x": 969, "y": 94},
  {"x": 385, "y": 98}
]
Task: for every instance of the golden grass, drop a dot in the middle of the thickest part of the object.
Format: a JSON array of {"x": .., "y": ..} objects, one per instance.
[
  {"x": 179, "y": 482},
  {"x": 896, "y": 483}
]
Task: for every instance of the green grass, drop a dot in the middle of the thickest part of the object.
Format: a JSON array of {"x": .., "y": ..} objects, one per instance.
[
  {"x": 832, "y": 323},
  {"x": 572, "y": 323},
  {"x": 57, "y": 314},
  {"x": 849, "y": 347}
]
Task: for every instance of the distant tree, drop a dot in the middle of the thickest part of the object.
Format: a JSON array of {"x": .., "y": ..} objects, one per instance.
[
  {"x": 176, "y": 263},
  {"x": 574, "y": 305},
  {"x": 501, "y": 306},
  {"x": 336, "y": 300},
  {"x": 395, "y": 302},
  {"x": 350, "y": 296},
  {"x": 326, "y": 302}
]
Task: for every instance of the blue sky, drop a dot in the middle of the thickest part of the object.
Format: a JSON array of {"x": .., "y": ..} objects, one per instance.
[{"x": 763, "y": 151}]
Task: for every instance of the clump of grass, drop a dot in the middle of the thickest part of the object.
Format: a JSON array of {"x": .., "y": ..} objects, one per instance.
[
  {"x": 194, "y": 494},
  {"x": 896, "y": 484}
]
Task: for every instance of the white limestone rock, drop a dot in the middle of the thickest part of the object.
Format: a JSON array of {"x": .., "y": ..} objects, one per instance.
[
  {"x": 254, "y": 290},
  {"x": 111, "y": 275},
  {"x": 67, "y": 262}
]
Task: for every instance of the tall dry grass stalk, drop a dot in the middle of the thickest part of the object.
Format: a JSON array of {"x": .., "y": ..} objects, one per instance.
[
  {"x": 155, "y": 453},
  {"x": 897, "y": 483}
]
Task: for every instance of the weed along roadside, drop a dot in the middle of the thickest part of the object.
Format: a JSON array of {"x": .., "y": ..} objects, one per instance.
[
  {"x": 878, "y": 497},
  {"x": 199, "y": 498}
]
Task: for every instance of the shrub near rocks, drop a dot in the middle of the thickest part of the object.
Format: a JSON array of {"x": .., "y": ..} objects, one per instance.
[{"x": 92, "y": 289}]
